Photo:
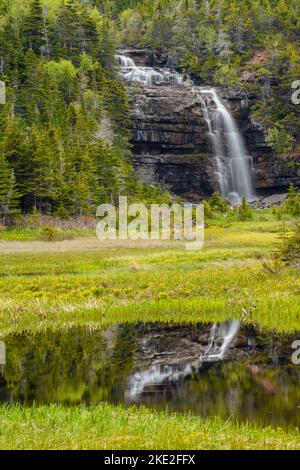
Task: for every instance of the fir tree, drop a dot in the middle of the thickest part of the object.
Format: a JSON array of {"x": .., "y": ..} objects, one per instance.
[
  {"x": 244, "y": 210},
  {"x": 9, "y": 197},
  {"x": 35, "y": 28}
]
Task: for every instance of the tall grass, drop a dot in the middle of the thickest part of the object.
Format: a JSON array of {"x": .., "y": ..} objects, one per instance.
[
  {"x": 234, "y": 271},
  {"x": 114, "y": 427}
]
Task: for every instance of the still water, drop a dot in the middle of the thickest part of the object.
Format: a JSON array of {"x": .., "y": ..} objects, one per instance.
[{"x": 224, "y": 370}]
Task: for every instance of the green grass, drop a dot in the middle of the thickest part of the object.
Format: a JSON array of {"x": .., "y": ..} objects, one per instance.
[
  {"x": 30, "y": 234},
  {"x": 41, "y": 290},
  {"x": 234, "y": 271},
  {"x": 114, "y": 427}
]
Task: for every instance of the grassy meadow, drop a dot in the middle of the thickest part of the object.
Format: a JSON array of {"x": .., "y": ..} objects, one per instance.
[
  {"x": 115, "y": 427},
  {"x": 56, "y": 286},
  {"x": 233, "y": 276}
]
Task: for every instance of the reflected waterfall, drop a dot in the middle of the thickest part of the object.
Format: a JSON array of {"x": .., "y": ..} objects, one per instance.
[{"x": 223, "y": 334}]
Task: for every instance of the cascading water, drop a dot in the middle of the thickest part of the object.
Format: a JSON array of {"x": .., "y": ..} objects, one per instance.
[
  {"x": 234, "y": 168},
  {"x": 220, "y": 338},
  {"x": 147, "y": 76},
  {"x": 155, "y": 375},
  {"x": 226, "y": 332}
]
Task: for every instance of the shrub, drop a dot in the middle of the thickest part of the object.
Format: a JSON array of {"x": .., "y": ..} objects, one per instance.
[
  {"x": 289, "y": 251},
  {"x": 48, "y": 234},
  {"x": 62, "y": 213},
  {"x": 244, "y": 210},
  {"x": 218, "y": 203},
  {"x": 33, "y": 220},
  {"x": 292, "y": 204},
  {"x": 208, "y": 212}
]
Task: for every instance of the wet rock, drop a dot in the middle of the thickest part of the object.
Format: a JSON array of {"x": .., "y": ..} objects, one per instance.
[
  {"x": 171, "y": 143},
  {"x": 170, "y": 139},
  {"x": 275, "y": 199}
]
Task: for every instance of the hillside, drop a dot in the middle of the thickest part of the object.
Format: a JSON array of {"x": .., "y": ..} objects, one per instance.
[{"x": 65, "y": 128}]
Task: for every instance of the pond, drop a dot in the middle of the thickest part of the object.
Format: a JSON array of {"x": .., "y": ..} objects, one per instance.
[{"x": 225, "y": 370}]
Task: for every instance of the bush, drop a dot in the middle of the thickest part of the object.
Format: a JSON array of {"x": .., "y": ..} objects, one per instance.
[
  {"x": 292, "y": 204},
  {"x": 62, "y": 213},
  {"x": 33, "y": 220},
  {"x": 244, "y": 210},
  {"x": 290, "y": 249},
  {"x": 218, "y": 203},
  {"x": 208, "y": 212},
  {"x": 48, "y": 234}
]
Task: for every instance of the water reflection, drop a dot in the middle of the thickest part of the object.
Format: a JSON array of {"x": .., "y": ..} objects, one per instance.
[{"x": 208, "y": 370}]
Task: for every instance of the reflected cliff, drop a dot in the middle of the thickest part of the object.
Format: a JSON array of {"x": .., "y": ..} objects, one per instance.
[{"x": 224, "y": 370}]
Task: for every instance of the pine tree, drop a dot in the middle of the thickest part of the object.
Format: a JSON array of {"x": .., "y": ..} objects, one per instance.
[
  {"x": 292, "y": 205},
  {"x": 35, "y": 28},
  {"x": 244, "y": 210},
  {"x": 9, "y": 197},
  {"x": 43, "y": 170}
]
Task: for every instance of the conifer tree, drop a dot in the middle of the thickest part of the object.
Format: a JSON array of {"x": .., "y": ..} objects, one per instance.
[
  {"x": 9, "y": 197},
  {"x": 34, "y": 28}
]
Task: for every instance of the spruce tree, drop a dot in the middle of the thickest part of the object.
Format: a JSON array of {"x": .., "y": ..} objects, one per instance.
[
  {"x": 9, "y": 197},
  {"x": 34, "y": 28}
]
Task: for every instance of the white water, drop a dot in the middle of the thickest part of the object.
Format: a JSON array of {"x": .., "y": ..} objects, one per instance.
[
  {"x": 226, "y": 332},
  {"x": 147, "y": 76},
  {"x": 155, "y": 375},
  {"x": 159, "y": 373},
  {"x": 234, "y": 168}
]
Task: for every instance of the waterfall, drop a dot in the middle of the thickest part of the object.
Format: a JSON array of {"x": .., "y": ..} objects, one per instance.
[
  {"x": 147, "y": 76},
  {"x": 155, "y": 375},
  {"x": 220, "y": 338},
  {"x": 226, "y": 332},
  {"x": 234, "y": 168}
]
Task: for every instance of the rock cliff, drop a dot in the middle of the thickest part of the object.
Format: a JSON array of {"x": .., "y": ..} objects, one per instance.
[{"x": 171, "y": 144}]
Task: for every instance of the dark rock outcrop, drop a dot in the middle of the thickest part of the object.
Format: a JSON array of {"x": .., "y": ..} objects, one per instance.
[
  {"x": 170, "y": 139},
  {"x": 272, "y": 174},
  {"x": 171, "y": 144}
]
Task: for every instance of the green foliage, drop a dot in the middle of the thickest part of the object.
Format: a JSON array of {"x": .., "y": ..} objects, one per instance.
[
  {"x": 218, "y": 42},
  {"x": 9, "y": 196},
  {"x": 208, "y": 212},
  {"x": 48, "y": 234},
  {"x": 244, "y": 210},
  {"x": 289, "y": 251},
  {"x": 218, "y": 204},
  {"x": 64, "y": 136},
  {"x": 292, "y": 205},
  {"x": 35, "y": 30},
  {"x": 280, "y": 140}
]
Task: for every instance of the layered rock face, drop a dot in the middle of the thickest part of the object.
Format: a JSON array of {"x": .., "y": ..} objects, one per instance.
[
  {"x": 171, "y": 142},
  {"x": 170, "y": 139},
  {"x": 272, "y": 174}
]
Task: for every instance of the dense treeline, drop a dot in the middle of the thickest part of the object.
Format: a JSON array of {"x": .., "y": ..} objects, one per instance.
[
  {"x": 252, "y": 44},
  {"x": 64, "y": 140}
]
